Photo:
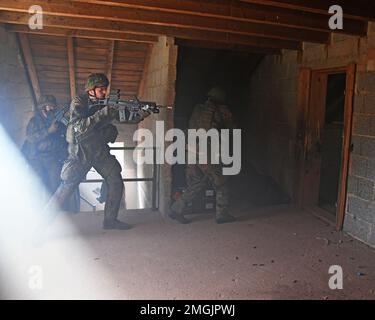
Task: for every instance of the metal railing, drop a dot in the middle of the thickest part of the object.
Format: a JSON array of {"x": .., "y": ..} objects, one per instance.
[{"x": 153, "y": 179}]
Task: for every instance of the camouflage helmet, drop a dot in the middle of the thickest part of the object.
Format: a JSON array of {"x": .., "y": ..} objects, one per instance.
[
  {"x": 96, "y": 80},
  {"x": 217, "y": 94},
  {"x": 47, "y": 100}
]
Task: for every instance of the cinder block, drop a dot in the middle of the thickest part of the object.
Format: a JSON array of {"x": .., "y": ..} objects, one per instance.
[
  {"x": 352, "y": 185},
  {"x": 368, "y": 147},
  {"x": 362, "y": 209},
  {"x": 356, "y": 141},
  {"x": 359, "y": 103},
  {"x": 369, "y": 103},
  {"x": 371, "y": 169},
  {"x": 366, "y": 81},
  {"x": 357, "y": 228},
  {"x": 359, "y": 166},
  {"x": 365, "y": 189},
  {"x": 361, "y": 124},
  {"x": 347, "y": 47}
]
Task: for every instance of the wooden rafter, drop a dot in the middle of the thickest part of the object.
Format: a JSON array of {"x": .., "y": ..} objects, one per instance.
[
  {"x": 162, "y": 21},
  {"x": 149, "y": 20},
  {"x": 111, "y": 54},
  {"x": 221, "y": 46},
  {"x": 26, "y": 51},
  {"x": 255, "y": 11},
  {"x": 119, "y": 27},
  {"x": 144, "y": 72},
  {"x": 71, "y": 63},
  {"x": 86, "y": 34},
  {"x": 359, "y": 9}
]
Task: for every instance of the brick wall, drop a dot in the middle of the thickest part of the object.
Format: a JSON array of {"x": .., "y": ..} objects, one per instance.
[
  {"x": 272, "y": 106},
  {"x": 159, "y": 86},
  {"x": 16, "y": 104}
]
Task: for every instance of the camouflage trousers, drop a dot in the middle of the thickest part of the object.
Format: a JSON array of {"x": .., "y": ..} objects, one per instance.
[
  {"x": 75, "y": 170},
  {"x": 48, "y": 170},
  {"x": 197, "y": 177}
]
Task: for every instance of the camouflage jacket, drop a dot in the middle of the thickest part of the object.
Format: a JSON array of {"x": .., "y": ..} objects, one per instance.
[
  {"x": 210, "y": 115},
  {"x": 40, "y": 143},
  {"x": 85, "y": 129}
]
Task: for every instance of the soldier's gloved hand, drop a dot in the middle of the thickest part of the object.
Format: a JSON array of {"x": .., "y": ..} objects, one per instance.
[
  {"x": 53, "y": 127},
  {"x": 144, "y": 114}
]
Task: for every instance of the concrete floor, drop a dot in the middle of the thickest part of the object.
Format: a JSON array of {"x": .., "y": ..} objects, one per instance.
[{"x": 270, "y": 253}]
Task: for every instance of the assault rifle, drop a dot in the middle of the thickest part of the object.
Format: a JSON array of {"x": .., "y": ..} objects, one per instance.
[
  {"x": 59, "y": 115},
  {"x": 130, "y": 111}
]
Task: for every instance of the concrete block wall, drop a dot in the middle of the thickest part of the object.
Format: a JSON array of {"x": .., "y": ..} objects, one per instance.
[
  {"x": 159, "y": 86},
  {"x": 16, "y": 103},
  {"x": 273, "y": 93},
  {"x": 360, "y": 217},
  {"x": 272, "y": 101}
]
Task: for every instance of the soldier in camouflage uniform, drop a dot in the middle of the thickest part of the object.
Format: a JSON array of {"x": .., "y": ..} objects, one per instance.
[
  {"x": 45, "y": 147},
  {"x": 88, "y": 134},
  {"x": 214, "y": 114}
]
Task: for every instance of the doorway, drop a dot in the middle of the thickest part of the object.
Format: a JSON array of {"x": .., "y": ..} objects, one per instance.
[
  {"x": 331, "y": 142},
  {"x": 326, "y": 110}
]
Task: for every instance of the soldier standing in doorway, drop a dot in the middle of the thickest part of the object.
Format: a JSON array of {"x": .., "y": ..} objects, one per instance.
[{"x": 214, "y": 113}]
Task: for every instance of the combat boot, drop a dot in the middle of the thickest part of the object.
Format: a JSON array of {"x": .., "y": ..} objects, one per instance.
[
  {"x": 116, "y": 224},
  {"x": 179, "y": 217},
  {"x": 176, "y": 212},
  {"x": 225, "y": 218}
]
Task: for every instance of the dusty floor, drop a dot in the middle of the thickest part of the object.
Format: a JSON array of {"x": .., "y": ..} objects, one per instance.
[{"x": 270, "y": 253}]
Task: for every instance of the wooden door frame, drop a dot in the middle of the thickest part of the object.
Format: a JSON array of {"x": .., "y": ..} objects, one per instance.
[{"x": 303, "y": 107}]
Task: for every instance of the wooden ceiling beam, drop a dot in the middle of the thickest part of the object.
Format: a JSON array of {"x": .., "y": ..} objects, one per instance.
[
  {"x": 71, "y": 63},
  {"x": 254, "y": 11},
  {"x": 356, "y": 9},
  {"x": 111, "y": 54},
  {"x": 231, "y": 47},
  {"x": 142, "y": 83},
  {"x": 26, "y": 51},
  {"x": 121, "y": 27},
  {"x": 162, "y": 20},
  {"x": 89, "y": 34}
]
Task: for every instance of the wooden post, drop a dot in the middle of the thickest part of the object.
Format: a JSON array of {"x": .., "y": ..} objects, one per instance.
[
  {"x": 71, "y": 61},
  {"x": 301, "y": 147},
  {"x": 26, "y": 51},
  {"x": 348, "y": 122},
  {"x": 110, "y": 64},
  {"x": 141, "y": 88}
]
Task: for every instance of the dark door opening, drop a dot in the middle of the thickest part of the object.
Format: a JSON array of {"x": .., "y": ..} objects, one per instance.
[
  {"x": 331, "y": 142},
  {"x": 326, "y": 116},
  {"x": 199, "y": 69}
]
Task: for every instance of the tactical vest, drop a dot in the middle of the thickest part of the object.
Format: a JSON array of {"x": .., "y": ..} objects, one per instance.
[{"x": 203, "y": 116}]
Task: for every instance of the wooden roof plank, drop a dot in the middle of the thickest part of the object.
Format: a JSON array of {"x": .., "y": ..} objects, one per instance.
[
  {"x": 26, "y": 51},
  {"x": 256, "y": 11},
  {"x": 104, "y": 25},
  {"x": 357, "y": 9},
  {"x": 84, "y": 34},
  {"x": 142, "y": 20}
]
